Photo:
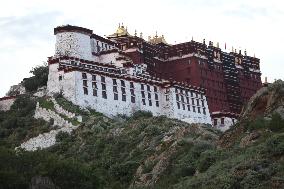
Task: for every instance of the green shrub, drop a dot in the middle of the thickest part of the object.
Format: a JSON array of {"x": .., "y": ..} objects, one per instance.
[
  {"x": 258, "y": 123},
  {"x": 276, "y": 123},
  {"x": 46, "y": 103},
  {"x": 140, "y": 114},
  {"x": 62, "y": 136},
  {"x": 275, "y": 145},
  {"x": 39, "y": 78},
  {"x": 207, "y": 159}
]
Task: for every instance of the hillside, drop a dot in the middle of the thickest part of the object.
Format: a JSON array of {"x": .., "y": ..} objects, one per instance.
[{"x": 141, "y": 151}]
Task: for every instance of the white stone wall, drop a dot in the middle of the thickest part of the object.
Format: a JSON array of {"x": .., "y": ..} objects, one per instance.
[
  {"x": 228, "y": 122},
  {"x": 48, "y": 139},
  {"x": 47, "y": 115},
  {"x": 73, "y": 44},
  {"x": 5, "y": 105},
  {"x": 110, "y": 107}
]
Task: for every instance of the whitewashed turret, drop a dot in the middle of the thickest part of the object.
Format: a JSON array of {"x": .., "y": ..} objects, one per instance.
[{"x": 73, "y": 41}]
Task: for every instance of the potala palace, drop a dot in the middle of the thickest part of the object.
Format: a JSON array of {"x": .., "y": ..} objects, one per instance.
[{"x": 123, "y": 73}]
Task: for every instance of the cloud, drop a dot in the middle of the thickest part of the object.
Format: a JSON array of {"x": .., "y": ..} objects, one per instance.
[{"x": 22, "y": 31}]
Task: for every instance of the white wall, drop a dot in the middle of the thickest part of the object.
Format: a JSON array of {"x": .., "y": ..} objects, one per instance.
[
  {"x": 228, "y": 122},
  {"x": 111, "y": 107},
  {"x": 73, "y": 44}
]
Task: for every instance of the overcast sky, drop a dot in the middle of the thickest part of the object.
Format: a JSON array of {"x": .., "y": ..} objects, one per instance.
[{"x": 26, "y": 28}]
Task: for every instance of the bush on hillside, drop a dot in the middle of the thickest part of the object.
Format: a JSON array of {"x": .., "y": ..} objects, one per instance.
[
  {"x": 277, "y": 123},
  {"x": 39, "y": 78},
  {"x": 275, "y": 145},
  {"x": 140, "y": 114}
]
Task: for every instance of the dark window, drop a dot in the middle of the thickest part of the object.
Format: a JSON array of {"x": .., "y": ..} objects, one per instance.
[
  {"x": 148, "y": 87},
  {"x": 157, "y": 103},
  {"x": 131, "y": 85},
  {"x": 85, "y": 91},
  {"x": 114, "y": 81},
  {"x": 182, "y": 98},
  {"x": 187, "y": 100},
  {"x": 123, "y": 90},
  {"x": 183, "y": 106},
  {"x": 115, "y": 89},
  {"x": 95, "y": 92},
  {"x": 155, "y": 89},
  {"x": 103, "y": 79},
  {"x": 204, "y": 112},
  {"x": 142, "y": 87},
  {"x": 193, "y": 107},
  {"x": 192, "y": 100},
  {"x": 177, "y": 97},
  {"x": 222, "y": 120},
  {"x": 143, "y": 101},
  {"x": 133, "y": 99},
  {"x": 215, "y": 121},
  {"x": 84, "y": 75},
  {"x": 150, "y": 102},
  {"x": 149, "y": 95},
  {"x": 132, "y": 92},
  {"x": 94, "y": 84},
  {"x": 191, "y": 93},
  {"x": 123, "y": 97},
  {"x": 178, "y": 105},
  {"x": 104, "y": 94},
  {"x": 94, "y": 78},
  {"x": 103, "y": 86},
  {"x": 143, "y": 94},
  {"x": 202, "y": 102},
  {"x": 197, "y": 102},
  {"x": 188, "y": 107},
  {"x": 85, "y": 83},
  {"x": 156, "y": 96},
  {"x": 60, "y": 77},
  {"x": 122, "y": 83},
  {"x": 198, "y": 109},
  {"x": 115, "y": 96}
]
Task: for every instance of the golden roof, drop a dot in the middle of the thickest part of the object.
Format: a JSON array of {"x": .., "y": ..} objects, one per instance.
[
  {"x": 121, "y": 31},
  {"x": 157, "y": 39}
]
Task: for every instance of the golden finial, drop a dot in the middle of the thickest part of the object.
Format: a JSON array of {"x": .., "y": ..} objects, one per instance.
[
  {"x": 204, "y": 41},
  {"x": 245, "y": 52},
  {"x": 141, "y": 35},
  {"x": 156, "y": 34},
  {"x": 135, "y": 34}
]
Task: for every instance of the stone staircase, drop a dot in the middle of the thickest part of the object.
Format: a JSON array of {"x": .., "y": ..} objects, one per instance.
[{"x": 48, "y": 139}]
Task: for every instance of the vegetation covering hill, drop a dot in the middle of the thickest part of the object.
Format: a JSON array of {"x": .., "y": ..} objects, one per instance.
[{"x": 143, "y": 151}]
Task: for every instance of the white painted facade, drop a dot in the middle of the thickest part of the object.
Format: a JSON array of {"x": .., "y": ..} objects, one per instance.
[
  {"x": 73, "y": 44},
  {"x": 223, "y": 122},
  {"x": 106, "y": 86}
]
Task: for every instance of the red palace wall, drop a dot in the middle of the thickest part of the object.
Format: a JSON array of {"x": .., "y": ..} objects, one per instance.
[{"x": 229, "y": 79}]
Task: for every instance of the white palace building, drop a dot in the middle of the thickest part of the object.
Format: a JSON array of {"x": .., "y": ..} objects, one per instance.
[{"x": 94, "y": 72}]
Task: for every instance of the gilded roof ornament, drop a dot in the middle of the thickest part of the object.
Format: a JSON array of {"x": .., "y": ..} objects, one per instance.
[{"x": 120, "y": 31}]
